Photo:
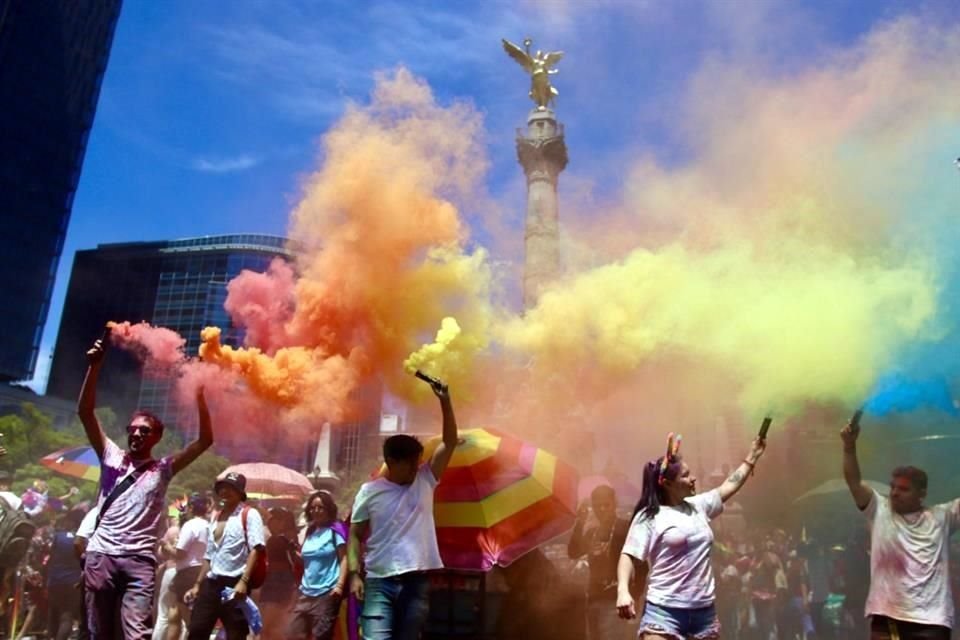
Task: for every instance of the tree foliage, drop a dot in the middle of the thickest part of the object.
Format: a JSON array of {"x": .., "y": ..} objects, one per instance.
[{"x": 199, "y": 476}]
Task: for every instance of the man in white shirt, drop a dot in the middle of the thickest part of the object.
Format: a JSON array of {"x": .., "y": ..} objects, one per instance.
[
  {"x": 397, "y": 512},
  {"x": 910, "y": 596},
  {"x": 234, "y": 543},
  {"x": 119, "y": 570},
  {"x": 191, "y": 549}
]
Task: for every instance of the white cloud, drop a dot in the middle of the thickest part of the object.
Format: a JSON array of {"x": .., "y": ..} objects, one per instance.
[{"x": 226, "y": 164}]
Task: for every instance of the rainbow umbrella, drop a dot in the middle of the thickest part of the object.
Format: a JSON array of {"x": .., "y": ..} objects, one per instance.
[
  {"x": 499, "y": 498},
  {"x": 76, "y": 462}
]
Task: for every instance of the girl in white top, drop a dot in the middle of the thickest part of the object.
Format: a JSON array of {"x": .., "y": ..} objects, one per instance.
[{"x": 668, "y": 548}]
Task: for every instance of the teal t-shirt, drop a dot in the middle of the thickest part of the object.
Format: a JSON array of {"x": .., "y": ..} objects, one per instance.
[{"x": 321, "y": 568}]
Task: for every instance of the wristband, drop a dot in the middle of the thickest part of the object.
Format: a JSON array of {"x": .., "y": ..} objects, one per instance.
[
  {"x": 244, "y": 579},
  {"x": 750, "y": 464}
]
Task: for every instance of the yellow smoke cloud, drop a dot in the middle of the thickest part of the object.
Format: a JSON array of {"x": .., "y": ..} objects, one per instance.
[
  {"x": 803, "y": 323},
  {"x": 435, "y": 357}
]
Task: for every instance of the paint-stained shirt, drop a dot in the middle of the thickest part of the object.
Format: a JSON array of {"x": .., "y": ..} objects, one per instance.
[
  {"x": 676, "y": 543},
  {"x": 909, "y": 562},
  {"x": 131, "y": 525},
  {"x": 403, "y": 535}
]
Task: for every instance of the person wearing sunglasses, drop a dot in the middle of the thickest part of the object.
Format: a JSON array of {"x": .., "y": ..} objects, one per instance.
[
  {"x": 322, "y": 587},
  {"x": 120, "y": 567}
]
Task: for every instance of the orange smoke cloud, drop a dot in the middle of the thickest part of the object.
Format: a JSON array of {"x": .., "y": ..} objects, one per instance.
[
  {"x": 289, "y": 375},
  {"x": 381, "y": 255}
]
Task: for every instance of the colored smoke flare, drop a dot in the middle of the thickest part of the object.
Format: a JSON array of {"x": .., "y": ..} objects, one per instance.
[{"x": 431, "y": 356}]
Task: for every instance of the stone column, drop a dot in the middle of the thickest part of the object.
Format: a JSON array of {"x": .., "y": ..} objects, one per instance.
[{"x": 542, "y": 153}]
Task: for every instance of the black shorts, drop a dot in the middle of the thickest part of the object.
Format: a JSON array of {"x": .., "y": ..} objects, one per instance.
[
  {"x": 884, "y": 628},
  {"x": 184, "y": 581}
]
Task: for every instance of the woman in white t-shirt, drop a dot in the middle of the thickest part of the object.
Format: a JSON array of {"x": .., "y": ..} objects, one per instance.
[{"x": 668, "y": 548}]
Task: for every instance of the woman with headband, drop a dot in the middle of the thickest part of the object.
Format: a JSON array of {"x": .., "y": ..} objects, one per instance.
[{"x": 668, "y": 548}]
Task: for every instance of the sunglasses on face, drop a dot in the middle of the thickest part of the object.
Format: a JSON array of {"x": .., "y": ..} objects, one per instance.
[{"x": 142, "y": 429}]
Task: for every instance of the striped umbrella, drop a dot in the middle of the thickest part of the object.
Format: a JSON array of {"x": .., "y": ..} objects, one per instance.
[
  {"x": 499, "y": 498},
  {"x": 76, "y": 462}
]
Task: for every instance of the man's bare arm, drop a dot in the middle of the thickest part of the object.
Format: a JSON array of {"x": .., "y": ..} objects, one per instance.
[
  {"x": 204, "y": 437},
  {"x": 851, "y": 467},
  {"x": 87, "y": 403},
  {"x": 357, "y": 531},
  {"x": 443, "y": 453}
]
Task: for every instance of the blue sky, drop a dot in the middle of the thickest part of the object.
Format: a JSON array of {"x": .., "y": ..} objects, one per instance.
[{"x": 210, "y": 112}]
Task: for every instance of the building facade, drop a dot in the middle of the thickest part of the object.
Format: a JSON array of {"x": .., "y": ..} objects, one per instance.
[
  {"x": 52, "y": 59},
  {"x": 180, "y": 285}
]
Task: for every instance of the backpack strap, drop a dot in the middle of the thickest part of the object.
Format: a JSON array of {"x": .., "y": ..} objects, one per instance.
[
  {"x": 243, "y": 521},
  {"x": 127, "y": 482}
]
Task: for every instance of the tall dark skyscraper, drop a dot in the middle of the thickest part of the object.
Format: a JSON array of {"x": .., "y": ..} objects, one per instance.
[{"x": 53, "y": 55}]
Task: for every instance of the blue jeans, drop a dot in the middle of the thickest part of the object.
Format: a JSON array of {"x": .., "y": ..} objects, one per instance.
[
  {"x": 699, "y": 624},
  {"x": 395, "y": 608}
]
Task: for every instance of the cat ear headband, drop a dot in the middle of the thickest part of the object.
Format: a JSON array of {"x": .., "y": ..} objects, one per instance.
[{"x": 673, "y": 450}]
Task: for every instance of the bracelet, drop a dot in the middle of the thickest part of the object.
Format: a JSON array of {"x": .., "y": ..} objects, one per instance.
[
  {"x": 244, "y": 579},
  {"x": 750, "y": 464}
]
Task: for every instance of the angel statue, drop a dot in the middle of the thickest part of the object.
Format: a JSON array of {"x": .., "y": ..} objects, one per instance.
[{"x": 540, "y": 68}]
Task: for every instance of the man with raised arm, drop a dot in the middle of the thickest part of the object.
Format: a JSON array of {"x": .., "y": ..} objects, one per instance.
[
  {"x": 120, "y": 566},
  {"x": 396, "y": 510},
  {"x": 910, "y": 597}
]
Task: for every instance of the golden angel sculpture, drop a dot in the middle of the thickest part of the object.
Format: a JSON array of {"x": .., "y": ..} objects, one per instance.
[{"x": 540, "y": 67}]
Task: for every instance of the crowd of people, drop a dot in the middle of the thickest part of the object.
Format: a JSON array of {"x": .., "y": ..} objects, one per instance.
[
  {"x": 215, "y": 563},
  {"x": 661, "y": 573}
]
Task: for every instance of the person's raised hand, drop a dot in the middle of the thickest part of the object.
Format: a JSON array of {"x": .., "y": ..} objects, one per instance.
[
  {"x": 583, "y": 511},
  {"x": 849, "y": 434},
  {"x": 756, "y": 450},
  {"x": 440, "y": 389},
  {"x": 96, "y": 353}
]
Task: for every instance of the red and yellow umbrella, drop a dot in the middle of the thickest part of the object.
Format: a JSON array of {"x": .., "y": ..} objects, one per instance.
[{"x": 499, "y": 498}]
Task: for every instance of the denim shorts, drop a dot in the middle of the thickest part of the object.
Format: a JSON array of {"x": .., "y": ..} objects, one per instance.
[{"x": 699, "y": 624}]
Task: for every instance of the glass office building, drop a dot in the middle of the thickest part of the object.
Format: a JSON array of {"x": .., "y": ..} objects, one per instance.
[
  {"x": 178, "y": 284},
  {"x": 52, "y": 59},
  {"x": 181, "y": 285}
]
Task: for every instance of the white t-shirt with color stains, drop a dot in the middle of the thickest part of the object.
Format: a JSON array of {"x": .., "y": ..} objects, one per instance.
[{"x": 909, "y": 562}]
